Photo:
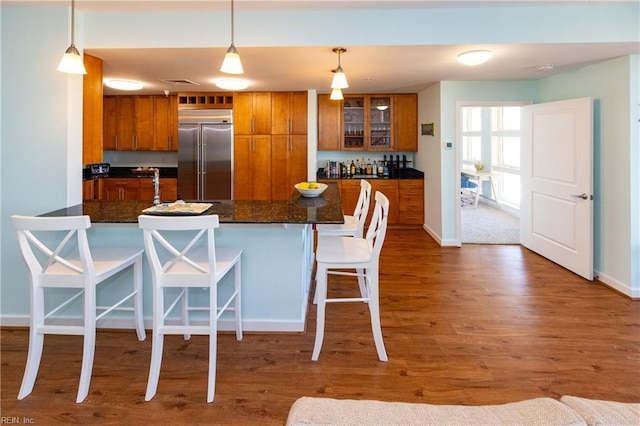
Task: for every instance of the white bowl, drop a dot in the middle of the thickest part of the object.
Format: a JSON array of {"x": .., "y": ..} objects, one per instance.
[{"x": 319, "y": 189}]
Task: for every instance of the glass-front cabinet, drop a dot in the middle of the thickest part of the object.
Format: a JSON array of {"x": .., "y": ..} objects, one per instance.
[{"x": 367, "y": 123}]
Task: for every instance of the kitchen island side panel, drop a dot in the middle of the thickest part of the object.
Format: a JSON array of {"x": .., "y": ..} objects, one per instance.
[{"x": 276, "y": 274}]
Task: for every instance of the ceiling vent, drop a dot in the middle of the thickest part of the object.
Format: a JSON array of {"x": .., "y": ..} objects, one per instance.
[{"x": 180, "y": 82}]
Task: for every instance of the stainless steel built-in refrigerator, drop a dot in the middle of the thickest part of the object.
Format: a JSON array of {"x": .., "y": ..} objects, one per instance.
[{"x": 205, "y": 154}]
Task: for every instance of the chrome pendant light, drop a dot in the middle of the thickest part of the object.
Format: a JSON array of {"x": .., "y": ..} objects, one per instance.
[
  {"x": 72, "y": 61},
  {"x": 231, "y": 63},
  {"x": 339, "y": 78}
]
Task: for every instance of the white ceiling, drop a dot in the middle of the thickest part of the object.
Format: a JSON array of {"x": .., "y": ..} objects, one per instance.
[{"x": 369, "y": 69}]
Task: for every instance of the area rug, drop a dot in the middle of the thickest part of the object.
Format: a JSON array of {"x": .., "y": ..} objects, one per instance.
[{"x": 488, "y": 225}]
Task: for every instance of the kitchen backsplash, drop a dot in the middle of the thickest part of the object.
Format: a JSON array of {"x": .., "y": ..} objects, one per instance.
[
  {"x": 347, "y": 157},
  {"x": 141, "y": 158}
]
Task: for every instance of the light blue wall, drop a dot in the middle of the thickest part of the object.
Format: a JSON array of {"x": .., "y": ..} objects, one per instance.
[
  {"x": 41, "y": 132},
  {"x": 41, "y": 120}
]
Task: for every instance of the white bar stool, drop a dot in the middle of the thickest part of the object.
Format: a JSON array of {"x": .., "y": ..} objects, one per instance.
[
  {"x": 335, "y": 254},
  {"x": 56, "y": 259},
  {"x": 188, "y": 259},
  {"x": 353, "y": 224}
]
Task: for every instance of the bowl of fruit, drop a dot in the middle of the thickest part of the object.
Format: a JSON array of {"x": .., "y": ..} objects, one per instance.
[{"x": 310, "y": 189}]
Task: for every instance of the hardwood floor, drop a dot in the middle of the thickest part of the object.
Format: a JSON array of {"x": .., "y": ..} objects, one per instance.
[{"x": 477, "y": 325}]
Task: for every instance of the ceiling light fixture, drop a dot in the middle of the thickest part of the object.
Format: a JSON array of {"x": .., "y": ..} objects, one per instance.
[
  {"x": 124, "y": 84},
  {"x": 336, "y": 94},
  {"x": 71, "y": 62},
  {"x": 474, "y": 57},
  {"x": 232, "y": 83},
  {"x": 339, "y": 78},
  {"x": 231, "y": 63}
]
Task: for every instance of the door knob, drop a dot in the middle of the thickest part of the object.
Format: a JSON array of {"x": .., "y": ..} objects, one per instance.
[{"x": 583, "y": 196}]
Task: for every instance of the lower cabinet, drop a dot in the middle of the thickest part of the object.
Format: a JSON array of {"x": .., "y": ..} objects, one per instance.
[
  {"x": 411, "y": 202},
  {"x": 121, "y": 189},
  {"x": 139, "y": 189},
  {"x": 390, "y": 189},
  {"x": 90, "y": 189},
  {"x": 168, "y": 190},
  {"x": 406, "y": 198}
]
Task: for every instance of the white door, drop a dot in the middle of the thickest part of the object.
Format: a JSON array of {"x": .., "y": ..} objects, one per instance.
[{"x": 556, "y": 216}]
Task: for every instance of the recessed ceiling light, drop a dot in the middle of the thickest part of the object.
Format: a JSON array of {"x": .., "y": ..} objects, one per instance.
[
  {"x": 124, "y": 84},
  {"x": 232, "y": 83},
  {"x": 474, "y": 57}
]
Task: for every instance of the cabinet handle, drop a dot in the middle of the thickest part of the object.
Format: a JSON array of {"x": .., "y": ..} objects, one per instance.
[
  {"x": 116, "y": 137},
  {"x": 252, "y": 125}
]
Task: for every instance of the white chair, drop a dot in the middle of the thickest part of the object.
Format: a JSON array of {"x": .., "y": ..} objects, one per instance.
[
  {"x": 183, "y": 260},
  {"x": 353, "y": 225},
  {"x": 335, "y": 254},
  {"x": 56, "y": 259}
]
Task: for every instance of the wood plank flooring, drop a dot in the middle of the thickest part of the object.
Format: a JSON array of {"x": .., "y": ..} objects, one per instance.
[{"x": 476, "y": 325}]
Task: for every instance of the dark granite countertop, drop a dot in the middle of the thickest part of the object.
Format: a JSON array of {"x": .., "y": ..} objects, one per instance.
[
  {"x": 327, "y": 208},
  {"x": 397, "y": 173},
  {"x": 128, "y": 172}
]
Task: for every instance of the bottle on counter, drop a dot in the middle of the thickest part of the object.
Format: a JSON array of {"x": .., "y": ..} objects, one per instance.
[
  {"x": 379, "y": 168},
  {"x": 385, "y": 169},
  {"x": 369, "y": 167},
  {"x": 358, "y": 171},
  {"x": 353, "y": 168}
]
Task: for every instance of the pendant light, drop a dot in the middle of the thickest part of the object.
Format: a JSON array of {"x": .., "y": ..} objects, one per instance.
[
  {"x": 231, "y": 63},
  {"x": 336, "y": 94},
  {"x": 72, "y": 61},
  {"x": 339, "y": 78}
]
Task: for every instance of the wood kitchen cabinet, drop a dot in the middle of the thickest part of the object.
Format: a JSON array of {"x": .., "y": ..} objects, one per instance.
[
  {"x": 368, "y": 123},
  {"x": 289, "y": 113},
  {"x": 90, "y": 189},
  {"x": 405, "y": 122},
  {"x": 140, "y": 123},
  {"x": 119, "y": 123},
  {"x": 252, "y": 159},
  {"x": 121, "y": 189},
  {"x": 390, "y": 189},
  {"x": 92, "y": 110},
  {"x": 349, "y": 194},
  {"x": 289, "y": 160},
  {"x": 168, "y": 189},
  {"x": 329, "y": 124},
  {"x": 288, "y": 142},
  {"x": 411, "y": 202},
  {"x": 252, "y": 113},
  {"x": 165, "y": 123}
]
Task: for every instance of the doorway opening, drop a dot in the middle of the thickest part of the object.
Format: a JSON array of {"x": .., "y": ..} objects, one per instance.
[{"x": 488, "y": 169}]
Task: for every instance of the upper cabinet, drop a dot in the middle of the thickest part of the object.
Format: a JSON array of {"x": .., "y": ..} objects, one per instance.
[
  {"x": 252, "y": 113},
  {"x": 289, "y": 113},
  {"x": 368, "y": 123},
  {"x": 92, "y": 110},
  {"x": 140, "y": 123}
]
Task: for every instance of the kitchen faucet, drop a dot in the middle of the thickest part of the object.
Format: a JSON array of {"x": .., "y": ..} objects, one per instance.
[{"x": 156, "y": 186}]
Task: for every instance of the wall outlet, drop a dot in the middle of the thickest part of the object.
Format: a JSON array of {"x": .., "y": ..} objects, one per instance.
[{"x": 447, "y": 145}]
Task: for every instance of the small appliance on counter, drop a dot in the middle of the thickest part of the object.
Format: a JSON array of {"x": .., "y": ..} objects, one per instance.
[{"x": 97, "y": 170}]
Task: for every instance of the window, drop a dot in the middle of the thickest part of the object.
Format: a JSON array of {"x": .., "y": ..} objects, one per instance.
[{"x": 492, "y": 135}]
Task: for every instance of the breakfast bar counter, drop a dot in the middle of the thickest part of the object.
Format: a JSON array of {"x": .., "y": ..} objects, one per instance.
[{"x": 277, "y": 259}]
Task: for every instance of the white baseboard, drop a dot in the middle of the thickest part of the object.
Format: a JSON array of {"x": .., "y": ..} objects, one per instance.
[
  {"x": 617, "y": 285},
  {"x": 440, "y": 241},
  {"x": 127, "y": 324}
]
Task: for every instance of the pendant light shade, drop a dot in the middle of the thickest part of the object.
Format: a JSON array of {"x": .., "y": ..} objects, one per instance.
[
  {"x": 339, "y": 78},
  {"x": 71, "y": 62},
  {"x": 336, "y": 94},
  {"x": 231, "y": 63}
]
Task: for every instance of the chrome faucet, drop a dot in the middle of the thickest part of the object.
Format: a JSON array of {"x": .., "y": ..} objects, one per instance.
[{"x": 156, "y": 186}]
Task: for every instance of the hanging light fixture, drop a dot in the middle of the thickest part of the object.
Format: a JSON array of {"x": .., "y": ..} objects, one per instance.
[
  {"x": 231, "y": 63},
  {"x": 339, "y": 78},
  {"x": 72, "y": 61},
  {"x": 336, "y": 94}
]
